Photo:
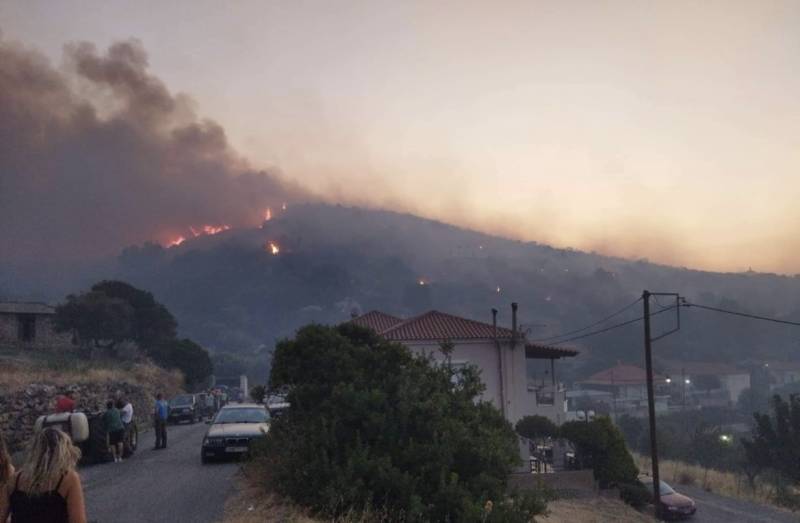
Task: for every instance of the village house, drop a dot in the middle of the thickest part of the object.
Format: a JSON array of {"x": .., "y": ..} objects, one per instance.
[
  {"x": 783, "y": 373},
  {"x": 502, "y": 355},
  {"x": 25, "y": 325},
  {"x": 708, "y": 384},
  {"x": 623, "y": 389}
]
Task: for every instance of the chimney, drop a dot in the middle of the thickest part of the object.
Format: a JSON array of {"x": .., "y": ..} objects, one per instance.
[
  {"x": 494, "y": 324},
  {"x": 514, "y": 307},
  {"x": 353, "y": 313}
]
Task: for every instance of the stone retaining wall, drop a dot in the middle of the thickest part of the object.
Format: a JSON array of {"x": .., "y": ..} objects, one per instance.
[{"x": 20, "y": 409}]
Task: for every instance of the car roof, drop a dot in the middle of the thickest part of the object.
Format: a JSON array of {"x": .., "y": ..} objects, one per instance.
[{"x": 243, "y": 406}]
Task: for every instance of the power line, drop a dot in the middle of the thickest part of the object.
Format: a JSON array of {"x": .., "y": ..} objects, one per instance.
[
  {"x": 743, "y": 314},
  {"x": 618, "y": 325},
  {"x": 595, "y": 324}
]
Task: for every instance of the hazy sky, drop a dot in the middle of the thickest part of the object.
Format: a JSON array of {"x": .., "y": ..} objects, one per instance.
[{"x": 667, "y": 130}]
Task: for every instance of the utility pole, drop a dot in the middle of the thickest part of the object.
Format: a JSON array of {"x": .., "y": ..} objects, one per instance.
[
  {"x": 651, "y": 403},
  {"x": 651, "y": 399}
]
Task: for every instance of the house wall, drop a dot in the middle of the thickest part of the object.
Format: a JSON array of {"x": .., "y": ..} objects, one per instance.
[
  {"x": 46, "y": 336},
  {"x": 519, "y": 401},
  {"x": 734, "y": 384}
]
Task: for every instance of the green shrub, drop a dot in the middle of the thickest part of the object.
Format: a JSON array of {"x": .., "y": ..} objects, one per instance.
[
  {"x": 601, "y": 446},
  {"x": 635, "y": 494},
  {"x": 371, "y": 425}
]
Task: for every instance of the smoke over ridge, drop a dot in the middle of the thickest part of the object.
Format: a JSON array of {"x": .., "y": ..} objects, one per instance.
[{"x": 99, "y": 154}]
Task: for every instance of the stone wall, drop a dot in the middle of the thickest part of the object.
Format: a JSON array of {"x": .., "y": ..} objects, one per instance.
[
  {"x": 20, "y": 409},
  {"x": 46, "y": 336}
]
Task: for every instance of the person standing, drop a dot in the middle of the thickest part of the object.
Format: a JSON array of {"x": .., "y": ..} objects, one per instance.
[
  {"x": 47, "y": 489},
  {"x": 6, "y": 468},
  {"x": 115, "y": 430},
  {"x": 66, "y": 402},
  {"x": 125, "y": 411},
  {"x": 160, "y": 414}
]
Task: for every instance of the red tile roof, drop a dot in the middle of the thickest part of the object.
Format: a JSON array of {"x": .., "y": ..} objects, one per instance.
[
  {"x": 430, "y": 326},
  {"x": 435, "y": 325},
  {"x": 377, "y": 321},
  {"x": 620, "y": 374}
]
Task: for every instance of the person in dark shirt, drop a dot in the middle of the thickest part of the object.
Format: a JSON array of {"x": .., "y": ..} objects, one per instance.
[
  {"x": 115, "y": 429},
  {"x": 47, "y": 489}
]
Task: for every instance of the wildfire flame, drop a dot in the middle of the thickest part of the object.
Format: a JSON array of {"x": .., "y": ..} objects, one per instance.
[
  {"x": 268, "y": 214},
  {"x": 283, "y": 206},
  {"x": 205, "y": 230},
  {"x": 273, "y": 248},
  {"x": 176, "y": 241},
  {"x": 209, "y": 230},
  {"x": 422, "y": 282}
]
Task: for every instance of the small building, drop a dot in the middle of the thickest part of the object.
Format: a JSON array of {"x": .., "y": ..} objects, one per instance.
[
  {"x": 707, "y": 383},
  {"x": 783, "y": 373},
  {"x": 27, "y": 325},
  {"x": 501, "y": 354},
  {"x": 625, "y": 388}
]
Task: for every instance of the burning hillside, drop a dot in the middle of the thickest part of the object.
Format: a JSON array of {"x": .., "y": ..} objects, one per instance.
[{"x": 102, "y": 141}]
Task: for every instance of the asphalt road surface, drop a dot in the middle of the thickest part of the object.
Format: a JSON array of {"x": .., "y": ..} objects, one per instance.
[
  {"x": 160, "y": 485},
  {"x": 713, "y": 508}
]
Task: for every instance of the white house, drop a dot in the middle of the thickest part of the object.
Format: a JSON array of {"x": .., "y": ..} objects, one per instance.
[
  {"x": 501, "y": 354},
  {"x": 732, "y": 380}
]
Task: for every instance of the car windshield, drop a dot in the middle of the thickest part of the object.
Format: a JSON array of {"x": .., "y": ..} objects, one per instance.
[
  {"x": 242, "y": 415},
  {"x": 179, "y": 401},
  {"x": 666, "y": 490}
]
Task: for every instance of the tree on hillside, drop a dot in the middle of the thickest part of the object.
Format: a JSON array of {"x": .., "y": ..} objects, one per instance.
[
  {"x": 371, "y": 426},
  {"x": 97, "y": 319},
  {"x": 188, "y": 357},
  {"x": 775, "y": 443},
  {"x": 152, "y": 322}
]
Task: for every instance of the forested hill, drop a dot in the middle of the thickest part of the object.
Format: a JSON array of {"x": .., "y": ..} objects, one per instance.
[{"x": 231, "y": 292}]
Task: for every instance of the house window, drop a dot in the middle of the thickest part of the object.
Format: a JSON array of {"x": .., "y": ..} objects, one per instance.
[{"x": 26, "y": 330}]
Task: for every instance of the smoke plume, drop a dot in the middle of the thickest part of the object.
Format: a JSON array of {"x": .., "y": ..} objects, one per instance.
[{"x": 99, "y": 154}]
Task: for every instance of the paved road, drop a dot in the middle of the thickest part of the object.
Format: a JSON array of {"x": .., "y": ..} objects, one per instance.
[
  {"x": 713, "y": 508},
  {"x": 160, "y": 486}
]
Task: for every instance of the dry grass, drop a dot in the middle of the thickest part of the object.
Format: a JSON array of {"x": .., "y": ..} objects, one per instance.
[
  {"x": 592, "y": 510},
  {"x": 724, "y": 483},
  {"x": 18, "y": 374}
]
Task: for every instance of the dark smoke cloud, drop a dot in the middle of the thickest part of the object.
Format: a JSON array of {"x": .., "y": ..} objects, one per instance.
[{"x": 99, "y": 154}]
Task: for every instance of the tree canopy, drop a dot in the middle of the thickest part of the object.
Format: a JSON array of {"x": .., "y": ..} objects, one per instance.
[
  {"x": 373, "y": 426},
  {"x": 775, "y": 443},
  {"x": 115, "y": 311}
]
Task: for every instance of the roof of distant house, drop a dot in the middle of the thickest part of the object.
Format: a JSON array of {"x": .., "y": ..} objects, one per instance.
[
  {"x": 620, "y": 374},
  {"x": 435, "y": 325},
  {"x": 19, "y": 307},
  {"x": 377, "y": 321},
  {"x": 783, "y": 365},
  {"x": 701, "y": 368},
  {"x": 439, "y": 326}
]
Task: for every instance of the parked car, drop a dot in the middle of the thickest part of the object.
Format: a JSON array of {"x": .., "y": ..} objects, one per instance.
[
  {"x": 183, "y": 408},
  {"x": 673, "y": 504},
  {"x": 233, "y": 430}
]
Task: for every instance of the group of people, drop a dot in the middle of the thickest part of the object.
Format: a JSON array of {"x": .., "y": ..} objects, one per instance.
[
  {"x": 116, "y": 419},
  {"x": 47, "y": 487}
]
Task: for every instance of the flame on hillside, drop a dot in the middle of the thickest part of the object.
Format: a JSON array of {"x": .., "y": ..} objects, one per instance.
[
  {"x": 273, "y": 248},
  {"x": 205, "y": 230},
  {"x": 268, "y": 214},
  {"x": 176, "y": 241}
]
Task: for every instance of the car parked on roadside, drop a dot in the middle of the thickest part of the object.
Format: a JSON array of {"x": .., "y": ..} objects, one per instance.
[
  {"x": 233, "y": 430},
  {"x": 673, "y": 504},
  {"x": 183, "y": 408}
]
